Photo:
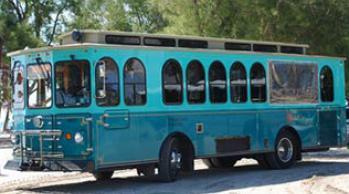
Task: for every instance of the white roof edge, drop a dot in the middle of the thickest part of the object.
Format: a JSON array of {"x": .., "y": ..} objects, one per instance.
[{"x": 79, "y": 45}]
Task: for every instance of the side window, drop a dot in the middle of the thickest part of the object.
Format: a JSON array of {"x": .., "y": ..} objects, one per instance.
[
  {"x": 217, "y": 83},
  {"x": 107, "y": 83},
  {"x": 195, "y": 83},
  {"x": 238, "y": 83},
  {"x": 172, "y": 92},
  {"x": 258, "y": 83},
  {"x": 134, "y": 83},
  {"x": 326, "y": 84}
]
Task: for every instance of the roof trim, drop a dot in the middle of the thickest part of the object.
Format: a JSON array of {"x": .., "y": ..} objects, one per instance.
[{"x": 90, "y": 45}]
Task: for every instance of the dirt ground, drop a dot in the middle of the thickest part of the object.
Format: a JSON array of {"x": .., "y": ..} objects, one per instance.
[{"x": 324, "y": 172}]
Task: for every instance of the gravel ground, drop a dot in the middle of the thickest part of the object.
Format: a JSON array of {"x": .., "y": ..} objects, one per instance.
[{"x": 325, "y": 172}]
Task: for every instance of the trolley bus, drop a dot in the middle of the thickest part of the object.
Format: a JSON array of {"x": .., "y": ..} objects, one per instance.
[{"x": 104, "y": 101}]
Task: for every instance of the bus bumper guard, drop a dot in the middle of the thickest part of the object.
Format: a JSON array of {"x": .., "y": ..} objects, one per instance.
[{"x": 27, "y": 159}]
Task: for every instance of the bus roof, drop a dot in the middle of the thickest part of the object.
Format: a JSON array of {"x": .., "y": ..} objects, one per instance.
[
  {"x": 141, "y": 39},
  {"x": 96, "y": 38}
]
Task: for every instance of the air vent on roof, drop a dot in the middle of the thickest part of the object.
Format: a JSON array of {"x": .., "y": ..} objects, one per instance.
[
  {"x": 292, "y": 49},
  {"x": 166, "y": 42},
  {"x": 237, "y": 46},
  {"x": 124, "y": 40},
  {"x": 192, "y": 43},
  {"x": 265, "y": 48}
]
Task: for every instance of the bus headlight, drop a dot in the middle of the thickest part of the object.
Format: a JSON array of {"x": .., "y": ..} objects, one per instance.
[
  {"x": 38, "y": 121},
  {"x": 78, "y": 137}
]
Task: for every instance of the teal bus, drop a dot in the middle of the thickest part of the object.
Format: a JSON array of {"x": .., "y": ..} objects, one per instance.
[{"x": 103, "y": 101}]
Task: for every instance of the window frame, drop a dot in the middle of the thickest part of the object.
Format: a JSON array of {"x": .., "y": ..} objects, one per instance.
[
  {"x": 265, "y": 85},
  {"x": 209, "y": 82},
  {"x": 145, "y": 82},
  {"x": 246, "y": 84},
  {"x": 187, "y": 83},
  {"x": 118, "y": 82},
  {"x": 53, "y": 100},
  {"x": 163, "y": 83},
  {"x": 320, "y": 84},
  {"x": 55, "y": 82}
]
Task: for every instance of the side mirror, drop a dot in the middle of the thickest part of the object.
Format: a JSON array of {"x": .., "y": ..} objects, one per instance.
[{"x": 101, "y": 75}]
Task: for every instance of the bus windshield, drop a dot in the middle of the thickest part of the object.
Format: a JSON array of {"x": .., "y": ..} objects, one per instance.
[
  {"x": 72, "y": 84},
  {"x": 39, "y": 86}
]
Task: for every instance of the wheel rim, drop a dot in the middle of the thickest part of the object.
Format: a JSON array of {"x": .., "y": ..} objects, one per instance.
[
  {"x": 285, "y": 150},
  {"x": 176, "y": 160}
]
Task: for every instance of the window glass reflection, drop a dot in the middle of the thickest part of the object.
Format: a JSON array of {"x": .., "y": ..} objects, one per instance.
[
  {"x": 217, "y": 83},
  {"x": 195, "y": 83},
  {"x": 172, "y": 83},
  {"x": 135, "y": 84},
  {"x": 72, "y": 84}
]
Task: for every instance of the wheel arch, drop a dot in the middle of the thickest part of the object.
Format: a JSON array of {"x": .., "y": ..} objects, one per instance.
[{"x": 183, "y": 138}]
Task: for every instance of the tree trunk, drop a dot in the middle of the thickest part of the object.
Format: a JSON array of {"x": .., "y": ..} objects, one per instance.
[{"x": 7, "y": 118}]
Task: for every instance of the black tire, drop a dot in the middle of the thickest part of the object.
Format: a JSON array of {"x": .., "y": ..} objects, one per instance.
[
  {"x": 104, "y": 175},
  {"x": 168, "y": 170},
  {"x": 187, "y": 157},
  {"x": 262, "y": 162},
  {"x": 277, "y": 160},
  {"x": 221, "y": 162}
]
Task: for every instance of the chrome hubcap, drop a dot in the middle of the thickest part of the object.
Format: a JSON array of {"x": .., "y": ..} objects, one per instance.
[
  {"x": 176, "y": 159},
  {"x": 285, "y": 150}
]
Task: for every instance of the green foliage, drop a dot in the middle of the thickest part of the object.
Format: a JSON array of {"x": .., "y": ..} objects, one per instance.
[{"x": 323, "y": 24}]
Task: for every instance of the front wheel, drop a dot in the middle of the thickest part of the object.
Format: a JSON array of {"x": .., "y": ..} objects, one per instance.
[
  {"x": 170, "y": 160},
  {"x": 286, "y": 151}
]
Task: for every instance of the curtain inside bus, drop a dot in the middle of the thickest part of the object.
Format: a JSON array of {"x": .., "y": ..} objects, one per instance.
[{"x": 293, "y": 83}]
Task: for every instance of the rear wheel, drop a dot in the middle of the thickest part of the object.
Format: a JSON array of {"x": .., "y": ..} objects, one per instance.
[
  {"x": 286, "y": 151},
  {"x": 104, "y": 175},
  {"x": 170, "y": 160},
  {"x": 221, "y": 162}
]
